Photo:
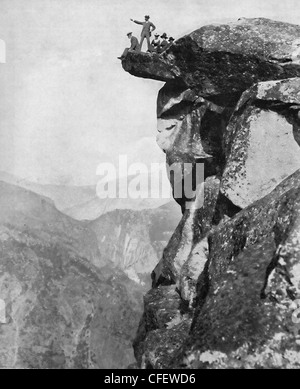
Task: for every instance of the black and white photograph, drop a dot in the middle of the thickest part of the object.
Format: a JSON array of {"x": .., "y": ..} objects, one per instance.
[{"x": 149, "y": 187}]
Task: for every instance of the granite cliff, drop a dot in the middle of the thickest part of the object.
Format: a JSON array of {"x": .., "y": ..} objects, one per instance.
[{"x": 226, "y": 291}]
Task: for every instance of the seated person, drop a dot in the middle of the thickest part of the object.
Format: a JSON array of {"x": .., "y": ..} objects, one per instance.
[
  {"x": 134, "y": 46},
  {"x": 163, "y": 44},
  {"x": 155, "y": 43},
  {"x": 171, "y": 42}
]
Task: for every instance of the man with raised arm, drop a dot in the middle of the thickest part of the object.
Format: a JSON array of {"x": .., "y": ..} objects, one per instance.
[{"x": 148, "y": 27}]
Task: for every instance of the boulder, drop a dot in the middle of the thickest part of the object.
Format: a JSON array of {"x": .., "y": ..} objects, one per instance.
[
  {"x": 262, "y": 144},
  {"x": 151, "y": 66},
  {"x": 225, "y": 58},
  {"x": 190, "y": 132},
  {"x": 182, "y": 118}
]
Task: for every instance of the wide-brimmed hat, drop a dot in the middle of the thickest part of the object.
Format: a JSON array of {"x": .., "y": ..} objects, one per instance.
[
  {"x": 171, "y": 39},
  {"x": 164, "y": 35},
  {"x": 147, "y": 17},
  {"x": 129, "y": 33}
]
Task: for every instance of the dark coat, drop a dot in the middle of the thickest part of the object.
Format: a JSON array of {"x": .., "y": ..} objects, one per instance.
[
  {"x": 146, "y": 31},
  {"x": 155, "y": 44},
  {"x": 163, "y": 46},
  {"x": 134, "y": 44}
]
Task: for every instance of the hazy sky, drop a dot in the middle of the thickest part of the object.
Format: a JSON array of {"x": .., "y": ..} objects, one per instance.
[{"x": 65, "y": 102}]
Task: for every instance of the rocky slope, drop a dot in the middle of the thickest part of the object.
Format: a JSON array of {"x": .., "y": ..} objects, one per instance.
[
  {"x": 133, "y": 241},
  {"x": 73, "y": 290},
  {"x": 226, "y": 292},
  {"x": 60, "y": 311}
]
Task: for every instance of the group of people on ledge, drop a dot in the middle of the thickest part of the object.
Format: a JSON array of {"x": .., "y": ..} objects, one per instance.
[{"x": 158, "y": 45}]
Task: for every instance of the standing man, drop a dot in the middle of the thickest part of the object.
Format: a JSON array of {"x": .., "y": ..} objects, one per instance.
[
  {"x": 134, "y": 46},
  {"x": 148, "y": 27}
]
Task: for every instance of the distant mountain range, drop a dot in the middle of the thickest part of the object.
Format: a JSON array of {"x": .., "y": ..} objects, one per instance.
[
  {"x": 82, "y": 202},
  {"x": 63, "y": 196},
  {"x": 96, "y": 207},
  {"x": 73, "y": 289},
  {"x": 61, "y": 310},
  {"x": 126, "y": 233}
]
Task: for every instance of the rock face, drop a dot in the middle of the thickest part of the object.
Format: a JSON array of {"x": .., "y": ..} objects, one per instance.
[
  {"x": 195, "y": 224},
  {"x": 249, "y": 286},
  {"x": 266, "y": 118},
  {"x": 133, "y": 241},
  {"x": 190, "y": 130},
  {"x": 226, "y": 293}
]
